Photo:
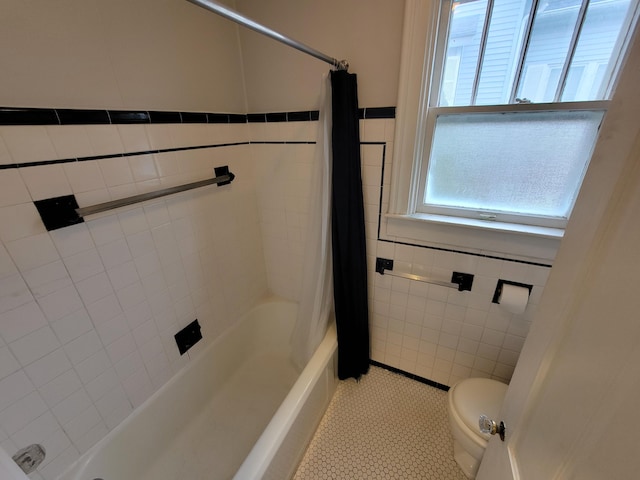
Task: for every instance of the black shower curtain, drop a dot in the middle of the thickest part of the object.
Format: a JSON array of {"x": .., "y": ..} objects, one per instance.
[{"x": 348, "y": 237}]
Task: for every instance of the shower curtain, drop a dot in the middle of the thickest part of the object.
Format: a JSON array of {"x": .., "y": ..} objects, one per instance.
[
  {"x": 316, "y": 294},
  {"x": 335, "y": 245},
  {"x": 348, "y": 235}
]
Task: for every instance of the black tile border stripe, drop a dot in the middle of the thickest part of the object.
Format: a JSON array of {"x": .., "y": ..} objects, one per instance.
[
  {"x": 66, "y": 116},
  {"x": 417, "y": 378}
]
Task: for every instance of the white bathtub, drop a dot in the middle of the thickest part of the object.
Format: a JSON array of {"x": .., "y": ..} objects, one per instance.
[{"x": 239, "y": 410}]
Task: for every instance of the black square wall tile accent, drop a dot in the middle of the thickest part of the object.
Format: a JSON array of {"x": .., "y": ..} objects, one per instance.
[
  {"x": 165, "y": 117},
  {"x": 58, "y": 212},
  {"x": 28, "y": 116},
  {"x": 315, "y": 115},
  {"x": 83, "y": 117},
  {"x": 188, "y": 336},
  {"x": 122, "y": 116},
  {"x": 193, "y": 117}
]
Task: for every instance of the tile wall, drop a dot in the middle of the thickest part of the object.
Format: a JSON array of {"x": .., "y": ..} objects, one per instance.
[{"x": 88, "y": 312}]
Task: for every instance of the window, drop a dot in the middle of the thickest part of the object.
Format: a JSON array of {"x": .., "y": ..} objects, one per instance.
[{"x": 516, "y": 95}]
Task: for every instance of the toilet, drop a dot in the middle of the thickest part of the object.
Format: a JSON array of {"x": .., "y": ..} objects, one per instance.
[{"x": 468, "y": 399}]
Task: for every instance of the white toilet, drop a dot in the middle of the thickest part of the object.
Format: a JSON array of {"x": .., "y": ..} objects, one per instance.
[{"x": 468, "y": 400}]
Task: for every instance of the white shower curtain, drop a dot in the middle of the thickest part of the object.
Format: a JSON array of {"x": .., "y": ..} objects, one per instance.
[{"x": 316, "y": 294}]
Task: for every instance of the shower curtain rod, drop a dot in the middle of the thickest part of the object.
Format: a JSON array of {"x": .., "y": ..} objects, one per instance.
[{"x": 228, "y": 13}]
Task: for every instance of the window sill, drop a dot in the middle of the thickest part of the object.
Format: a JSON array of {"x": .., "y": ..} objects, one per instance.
[
  {"x": 516, "y": 228},
  {"x": 518, "y": 241}
]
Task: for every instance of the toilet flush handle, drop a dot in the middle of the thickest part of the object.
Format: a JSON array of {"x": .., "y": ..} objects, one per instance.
[{"x": 491, "y": 427}]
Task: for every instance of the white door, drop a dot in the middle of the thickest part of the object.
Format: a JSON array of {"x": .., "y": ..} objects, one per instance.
[{"x": 572, "y": 410}]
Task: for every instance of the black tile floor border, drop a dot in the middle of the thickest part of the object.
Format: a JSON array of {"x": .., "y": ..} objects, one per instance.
[{"x": 412, "y": 376}]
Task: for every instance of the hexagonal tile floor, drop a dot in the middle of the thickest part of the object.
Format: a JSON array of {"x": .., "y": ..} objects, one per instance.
[{"x": 386, "y": 426}]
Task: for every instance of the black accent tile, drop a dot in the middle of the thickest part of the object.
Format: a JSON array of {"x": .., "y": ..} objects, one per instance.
[
  {"x": 361, "y": 113},
  {"x": 188, "y": 336},
  {"x": 58, "y": 212},
  {"x": 315, "y": 115},
  {"x": 47, "y": 162},
  {"x": 122, "y": 116},
  {"x": 217, "y": 118},
  {"x": 83, "y": 117},
  {"x": 380, "y": 112},
  {"x": 256, "y": 117},
  {"x": 237, "y": 118},
  {"x": 299, "y": 116},
  {"x": 165, "y": 117},
  {"x": 193, "y": 117},
  {"x": 28, "y": 116},
  {"x": 276, "y": 117}
]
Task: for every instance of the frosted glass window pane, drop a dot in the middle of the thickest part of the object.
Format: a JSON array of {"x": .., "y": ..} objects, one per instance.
[
  {"x": 590, "y": 68},
  {"x": 463, "y": 47},
  {"x": 551, "y": 34},
  {"x": 522, "y": 163}
]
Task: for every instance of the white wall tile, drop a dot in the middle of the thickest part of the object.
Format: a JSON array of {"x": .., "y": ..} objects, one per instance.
[
  {"x": 73, "y": 239},
  {"x": 93, "y": 366},
  {"x": 134, "y": 138},
  {"x": 72, "y": 325},
  {"x": 34, "y": 345},
  {"x": 114, "y": 253},
  {"x": 84, "y": 265},
  {"x": 45, "y": 181},
  {"x": 47, "y": 368},
  {"x": 47, "y": 279},
  {"x": 8, "y": 363},
  {"x": 19, "y": 221},
  {"x": 78, "y": 401},
  {"x": 13, "y": 388},
  {"x": 21, "y": 321},
  {"x": 60, "y": 387},
  {"x": 105, "y": 230},
  {"x": 33, "y": 251},
  {"x": 35, "y": 432},
  {"x": 28, "y": 143},
  {"x": 104, "y": 309},
  {"x": 83, "y": 347},
  {"x": 104, "y": 139},
  {"x": 20, "y": 414},
  {"x": 81, "y": 423},
  {"x": 60, "y": 303},
  {"x": 100, "y": 385},
  {"x": 13, "y": 191},
  {"x": 69, "y": 141},
  {"x": 94, "y": 288},
  {"x": 123, "y": 275},
  {"x": 116, "y": 171},
  {"x": 113, "y": 329}
]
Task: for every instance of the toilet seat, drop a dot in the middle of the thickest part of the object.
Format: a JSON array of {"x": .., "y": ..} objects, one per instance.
[{"x": 473, "y": 397}]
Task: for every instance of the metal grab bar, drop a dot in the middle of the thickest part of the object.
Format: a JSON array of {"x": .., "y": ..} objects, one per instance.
[
  {"x": 419, "y": 278},
  {"x": 223, "y": 177},
  {"x": 230, "y": 14},
  {"x": 459, "y": 281}
]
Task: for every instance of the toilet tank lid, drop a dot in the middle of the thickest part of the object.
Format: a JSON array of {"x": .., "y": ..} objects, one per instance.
[{"x": 473, "y": 397}]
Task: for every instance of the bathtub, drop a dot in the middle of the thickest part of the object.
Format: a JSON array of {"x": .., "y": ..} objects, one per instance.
[{"x": 239, "y": 410}]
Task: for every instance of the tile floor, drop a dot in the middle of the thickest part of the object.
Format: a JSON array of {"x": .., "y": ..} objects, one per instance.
[{"x": 385, "y": 427}]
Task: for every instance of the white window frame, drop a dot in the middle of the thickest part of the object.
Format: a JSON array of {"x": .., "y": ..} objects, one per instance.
[{"x": 402, "y": 222}]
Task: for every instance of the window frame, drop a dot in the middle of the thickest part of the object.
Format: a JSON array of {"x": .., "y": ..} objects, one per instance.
[
  {"x": 437, "y": 23},
  {"x": 399, "y": 221}
]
